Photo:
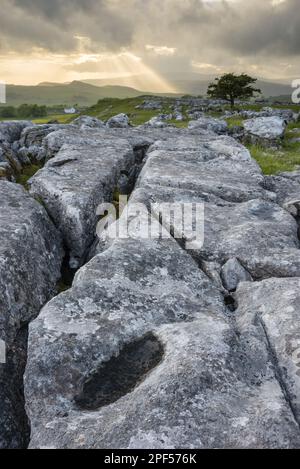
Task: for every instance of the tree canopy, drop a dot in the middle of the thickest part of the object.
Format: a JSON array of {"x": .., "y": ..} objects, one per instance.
[
  {"x": 24, "y": 111},
  {"x": 232, "y": 87}
]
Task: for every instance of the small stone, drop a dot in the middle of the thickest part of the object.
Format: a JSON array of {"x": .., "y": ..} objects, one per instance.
[{"x": 233, "y": 273}]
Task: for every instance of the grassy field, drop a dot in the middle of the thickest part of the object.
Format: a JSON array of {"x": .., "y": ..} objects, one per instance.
[
  {"x": 276, "y": 161},
  {"x": 61, "y": 118},
  {"x": 272, "y": 161},
  {"x": 107, "y": 108},
  {"x": 234, "y": 121},
  {"x": 287, "y": 158},
  {"x": 70, "y": 94}
]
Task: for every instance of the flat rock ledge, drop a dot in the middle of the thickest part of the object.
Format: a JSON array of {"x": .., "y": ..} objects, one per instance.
[
  {"x": 76, "y": 181},
  {"x": 208, "y": 375}
]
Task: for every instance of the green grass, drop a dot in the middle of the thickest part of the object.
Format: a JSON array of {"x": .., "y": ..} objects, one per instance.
[
  {"x": 179, "y": 124},
  {"x": 294, "y": 107},
  {"x": 107, "y": 108},
  {"x": 62, "y": 287},
  {"x": 61, "y": 118},
  {"x": 234, "y": 121},
  {"x": 274, "y": 161},
  {"x": 75, "y": 93},
  {"x": 293, "y": 131},
  {"x": 27, "y": 173}
]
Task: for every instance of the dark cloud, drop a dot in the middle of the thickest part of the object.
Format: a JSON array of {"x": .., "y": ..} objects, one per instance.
[
  {"x": 56, "y": 9},
  {"x": 211, "y": 32},
  {"x": 55, "y": 25},
  {"x": 263, "y": 27}
]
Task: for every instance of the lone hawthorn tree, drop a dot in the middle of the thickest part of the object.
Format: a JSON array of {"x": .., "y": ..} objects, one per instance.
[{"x": 231, "y": 87}]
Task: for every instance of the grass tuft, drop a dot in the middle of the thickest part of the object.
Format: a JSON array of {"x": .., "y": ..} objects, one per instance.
[
  {"x": 235, "y": 121},
  {"x": 27, "y": 173},
  {"x": 274, "y": 161}
]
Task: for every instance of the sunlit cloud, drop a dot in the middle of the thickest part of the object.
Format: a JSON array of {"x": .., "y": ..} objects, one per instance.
[
  {"x": 205, "y": 67},
  {"x": 148, "y": 41},
  {"x": 82, "y": 66},
  {"x": 161, "y": 50}
]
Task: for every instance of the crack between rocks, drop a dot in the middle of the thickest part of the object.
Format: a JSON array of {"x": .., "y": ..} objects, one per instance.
[
  {"x": 233, "y": 307},
  {"x": 278, "y": 372},
  {"x": 229, "y": 300},
  {"x": 65, "y": 281}
]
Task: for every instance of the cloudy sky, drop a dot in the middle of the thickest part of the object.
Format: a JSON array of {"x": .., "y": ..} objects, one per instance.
[{"x": 147, "y": 41}]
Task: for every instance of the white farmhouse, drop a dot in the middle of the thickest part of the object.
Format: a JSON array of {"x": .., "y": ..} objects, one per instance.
[{"x": 70, "y": 110}]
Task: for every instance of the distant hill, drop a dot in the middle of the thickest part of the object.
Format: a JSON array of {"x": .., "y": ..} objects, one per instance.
[
  {"x": 85, "y": 94},
  {"x": 69, "y": 94},
  {"x": 268, "y": 88},
  {"x": 197, "y": 84}
]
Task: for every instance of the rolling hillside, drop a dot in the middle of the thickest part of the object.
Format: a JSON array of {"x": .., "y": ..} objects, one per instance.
[
  {"x": 51, "y": 94},
  {"x": 196, "y": 84},
  {"x": 85, "y": 94}
]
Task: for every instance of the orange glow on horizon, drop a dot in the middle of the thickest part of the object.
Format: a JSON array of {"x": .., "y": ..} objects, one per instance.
[{"x": 59, "y": 68}]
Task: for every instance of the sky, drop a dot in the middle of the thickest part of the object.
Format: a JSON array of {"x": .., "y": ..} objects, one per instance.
[{"x": 148, "y": 42}]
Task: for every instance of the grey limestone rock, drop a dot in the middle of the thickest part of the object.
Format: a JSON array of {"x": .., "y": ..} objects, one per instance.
[
  {"x": 75, "y": 182},
  {"x": 30, "y": 259},
  {"x": 135, "y": 294},
  {"x": 265, "y": 128},
  {"x": 88, "y": 121},
  {"x": 287, "y": 188},
  {"x": 233, "y": 273},
  {"x": 10, "y": 131},
  {"x": 218, "y": 126},
  {"x": 119, "y": 121},
  {"x": 142, "y": 351},
  {"x": 271, "y": 308}
]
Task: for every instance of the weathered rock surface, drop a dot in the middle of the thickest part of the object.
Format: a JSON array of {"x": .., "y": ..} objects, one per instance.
[
  {"x": 134, "y": 290},
  {"x": 118, "y": 122},
  {"x": 34, "y": 135},
  {"x": 287, "y": 188},
  {"x": 207, "y": 164},
  {"x": 155, "y": 122},
  {"x": 9, "y": 158},
  {"x": 87, "y": 121},
  {"x": 233, "y": 273},
  {"x": 10, "y": 131},
  {"x": 5, "y": 170},
  {"x": 196, "y": 383},
  {"x": 142, "y": 351},
  {"x": 286, "y": 114},
  {"x": 265, "y": 128},
  {"x": 30, "y": 260},
  {"x": 218, "y": 126},
  {"x": 31, "y": 148},
  {"x": 248, "y": 226},
  {"x": 178, "y": 116},
  {"x": 271, "y": 309},
  {"x": 79, "y": 178},
  {"x": 150, "y": 105}
]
